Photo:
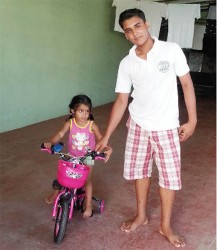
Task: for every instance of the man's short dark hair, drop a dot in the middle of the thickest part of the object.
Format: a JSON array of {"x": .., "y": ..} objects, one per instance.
[{"x": 127, "y": 14}]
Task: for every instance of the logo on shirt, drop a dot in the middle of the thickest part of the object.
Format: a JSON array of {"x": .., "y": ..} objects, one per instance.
[{"x": 163, "y": 66}]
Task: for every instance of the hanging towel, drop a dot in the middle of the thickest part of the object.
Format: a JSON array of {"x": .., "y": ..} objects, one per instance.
[
  {"x": 122, "y": 5},
  {"x": 199, "y": 31},
  {"x": 181, "y": 19},
  {"x": 153, "y": 13}
]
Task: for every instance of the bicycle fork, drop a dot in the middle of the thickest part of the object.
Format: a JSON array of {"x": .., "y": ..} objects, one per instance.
[{"x": 71, "y": 196}]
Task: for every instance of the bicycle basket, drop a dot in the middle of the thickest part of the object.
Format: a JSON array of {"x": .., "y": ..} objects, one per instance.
[{"x": 72, "y": 175}]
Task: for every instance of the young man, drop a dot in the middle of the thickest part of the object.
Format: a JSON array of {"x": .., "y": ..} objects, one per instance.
[{"x": 154, "y": 133}]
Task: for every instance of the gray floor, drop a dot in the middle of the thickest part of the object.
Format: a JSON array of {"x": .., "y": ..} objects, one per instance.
[{"x": 27, "y": 174}]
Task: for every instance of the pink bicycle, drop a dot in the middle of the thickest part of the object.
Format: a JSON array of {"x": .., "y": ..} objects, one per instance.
[{"x": 72, "y": 174}]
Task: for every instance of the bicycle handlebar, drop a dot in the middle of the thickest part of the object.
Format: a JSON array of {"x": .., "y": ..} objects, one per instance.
[
  {"x": 54, "y": 148},
  {"x": 91, "y": 154}
]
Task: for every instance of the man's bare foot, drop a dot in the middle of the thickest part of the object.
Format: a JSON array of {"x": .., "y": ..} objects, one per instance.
[
  {"x": 88, "y": 212},
  {"x": 50, "y": 199},
  {"x": 174, "y": 239},
  {"x": 131, "y": 225}
]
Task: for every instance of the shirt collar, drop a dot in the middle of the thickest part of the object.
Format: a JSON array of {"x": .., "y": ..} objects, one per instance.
[{"x": 134, "y": 57}]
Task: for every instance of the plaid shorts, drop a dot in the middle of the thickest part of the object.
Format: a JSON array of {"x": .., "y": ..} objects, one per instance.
[{"x": 143, "y": 147}]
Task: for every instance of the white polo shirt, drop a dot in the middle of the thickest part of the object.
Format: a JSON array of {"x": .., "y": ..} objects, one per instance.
[{"x": 155, "y": 96}]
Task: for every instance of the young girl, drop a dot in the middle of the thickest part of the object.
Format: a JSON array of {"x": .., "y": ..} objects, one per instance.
[{"x": 82, "y": 132}]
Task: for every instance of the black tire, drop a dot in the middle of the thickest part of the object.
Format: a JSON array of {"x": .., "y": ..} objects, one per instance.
[{"x": 61, "y": 221}]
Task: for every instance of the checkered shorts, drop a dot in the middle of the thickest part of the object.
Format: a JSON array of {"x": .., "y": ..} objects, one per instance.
[{"x": 143, "y": 147}]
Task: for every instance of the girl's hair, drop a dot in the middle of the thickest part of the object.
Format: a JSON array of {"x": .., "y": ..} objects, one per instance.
[
  {"x": 80, "y": 99},
  {"x": 127, "y": 14}
]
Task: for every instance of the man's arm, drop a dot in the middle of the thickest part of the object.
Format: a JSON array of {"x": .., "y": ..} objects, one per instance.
[
  {"x": 116, "y": 115},
  {"x": 188, "y": 128}
]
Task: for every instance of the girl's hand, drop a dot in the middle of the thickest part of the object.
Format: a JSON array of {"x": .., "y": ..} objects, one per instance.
[
  {"x": 47, "y": 145},
  {"x": 108, "y": 152}
]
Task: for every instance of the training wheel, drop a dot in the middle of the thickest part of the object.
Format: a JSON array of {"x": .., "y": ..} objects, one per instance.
[{"x": 101, "y": 206}]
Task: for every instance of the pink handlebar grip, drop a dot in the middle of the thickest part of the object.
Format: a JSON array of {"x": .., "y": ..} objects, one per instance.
[
  {"x": 46, "y": 150},
  {"x": 99, "y": 158}
]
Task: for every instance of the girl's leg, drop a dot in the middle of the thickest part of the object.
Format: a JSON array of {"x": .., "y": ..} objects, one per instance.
[
  {"x": 50, "y": 199},
  {"x": 57, "y": 187},
  {"x": 88, "y": 197},
  {"x": 142, "y": 189}
]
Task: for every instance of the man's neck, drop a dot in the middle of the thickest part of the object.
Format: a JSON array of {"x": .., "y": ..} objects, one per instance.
[{"x": 142, "y": 51}]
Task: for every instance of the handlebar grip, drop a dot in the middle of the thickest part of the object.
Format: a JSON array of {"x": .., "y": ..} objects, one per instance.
[
  {"x": 101, "y": 155},
  {"x": 54, "y": 148},
  {"x": 45, "y": 149}
]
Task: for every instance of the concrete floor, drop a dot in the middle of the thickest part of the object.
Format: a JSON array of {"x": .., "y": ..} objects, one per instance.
[{"x": 27, "y": 174}]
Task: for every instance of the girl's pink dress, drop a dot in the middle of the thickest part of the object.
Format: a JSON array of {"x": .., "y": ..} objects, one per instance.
[{"x": 80, "y": 138}]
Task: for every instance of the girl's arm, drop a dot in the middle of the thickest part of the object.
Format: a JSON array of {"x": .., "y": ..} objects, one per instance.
[
  {"x": 59, "y": 135},
  {"x": 95, "y": 129}
]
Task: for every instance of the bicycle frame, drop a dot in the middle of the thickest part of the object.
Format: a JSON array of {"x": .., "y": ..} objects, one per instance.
[{"x": 72, "y": 175}]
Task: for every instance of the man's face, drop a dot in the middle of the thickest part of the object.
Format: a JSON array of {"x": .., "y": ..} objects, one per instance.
[{"x": 136, "y": 30}]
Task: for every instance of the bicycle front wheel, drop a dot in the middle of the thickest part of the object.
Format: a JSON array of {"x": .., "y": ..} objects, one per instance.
[{"x": 61, "y": 221}]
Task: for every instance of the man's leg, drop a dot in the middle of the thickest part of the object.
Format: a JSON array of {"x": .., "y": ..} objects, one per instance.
[
  {"x": 167, "y": 199},
  {"x": 142, "y": 189}
]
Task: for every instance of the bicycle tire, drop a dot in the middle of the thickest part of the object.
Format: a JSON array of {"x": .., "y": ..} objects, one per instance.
[{"x": 61, "y": 221}]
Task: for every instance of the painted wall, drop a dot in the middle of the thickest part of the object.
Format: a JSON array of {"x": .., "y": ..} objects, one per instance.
[{"x": 51, "y": 50}]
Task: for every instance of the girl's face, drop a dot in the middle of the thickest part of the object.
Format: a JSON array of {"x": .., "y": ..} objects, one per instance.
[{"x": 81, "y": 113}]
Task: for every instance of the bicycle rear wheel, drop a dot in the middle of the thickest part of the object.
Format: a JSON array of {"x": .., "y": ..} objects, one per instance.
[{"x": 61, "y": 220}]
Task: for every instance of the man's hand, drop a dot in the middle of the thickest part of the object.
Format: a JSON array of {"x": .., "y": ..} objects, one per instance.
[
  {"x": 186, "y": 130},
  {"x": 101, "y": 144},
  {"x": 108, "y": 152}
]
